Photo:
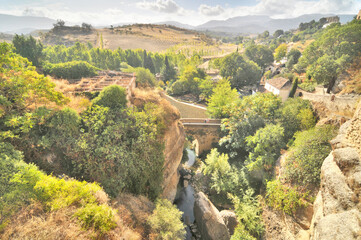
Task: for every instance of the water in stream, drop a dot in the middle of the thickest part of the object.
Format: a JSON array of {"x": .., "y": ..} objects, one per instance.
[{"x": 185, "y": 198}]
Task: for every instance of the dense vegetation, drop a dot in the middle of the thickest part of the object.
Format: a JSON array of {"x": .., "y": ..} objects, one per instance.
[{"x": 111, "y": 146}]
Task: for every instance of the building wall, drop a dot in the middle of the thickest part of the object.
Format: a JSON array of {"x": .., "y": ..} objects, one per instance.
[{"x": 272, "y": 89}]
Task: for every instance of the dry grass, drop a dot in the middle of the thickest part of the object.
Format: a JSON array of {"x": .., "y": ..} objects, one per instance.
[
  {"x": 353, "y": 82},
  {"x": 33, "y": 222},
  {"x": 142, "y": 96}
]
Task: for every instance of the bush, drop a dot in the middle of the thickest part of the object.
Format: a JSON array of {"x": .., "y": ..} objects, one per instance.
[
  {"x": 310, "y": 148},
  {"x": 145, "y": 78},
  {"x": 112, "y": 96},
  {"x": 248, "y": 212},
  {"x": 70, "y": 70},
  {"x": 99, "y": 217},
  {"x": 283, "y": 198},
  {"x": 165, "y": 221}
]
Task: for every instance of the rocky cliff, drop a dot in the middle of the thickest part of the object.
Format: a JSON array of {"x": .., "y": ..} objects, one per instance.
[
  {"x": 337, "y": 206},
  {"x": 174, "y": 143}
]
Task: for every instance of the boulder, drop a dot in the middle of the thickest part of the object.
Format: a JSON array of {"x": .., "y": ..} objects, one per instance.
[
  {"x": 209, "y": 220},
  {"x": 230, "y": 219}
]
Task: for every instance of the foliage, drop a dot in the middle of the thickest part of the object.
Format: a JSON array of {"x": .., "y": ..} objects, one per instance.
[
  {"x": 310, "y": 148},
  {"x": 24, "y": 183},
  {"x": 115, "y": 144},
  {"x": 260, "y": 54},
  {"x": 216, "y": 162},
  {"x": 70, "y": 70},
  {"x": 20, "y": 87},
  {"x": 296, "y": 115},
  {"x": 222, "y": 98},
  {"x": 28, "y": 48},
  {"x": 292, "y": 58},
  {"x": 294, "y": 88},
  {"x": 99, "y": 217},
  {"x": 332, "y": 51},
  {"x": 283, "y": 198},
  {"x": 248, "y": 212},
  {"x": 167, "y": 71},
  {"x": 265, "y": 146},
  {"x": 280, "y": 52},
  {"x": 113, "y": 97},
  {"x": 166, "y": 222},
  {"x": 308, "y": 85},
  {"x": 239, "y": 71},
  {"x": 188, "y": 82},
  {"x": 145, "y": 78}
]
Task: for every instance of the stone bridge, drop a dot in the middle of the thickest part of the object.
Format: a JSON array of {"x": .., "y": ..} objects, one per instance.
[{"x": 204, "y": 131}]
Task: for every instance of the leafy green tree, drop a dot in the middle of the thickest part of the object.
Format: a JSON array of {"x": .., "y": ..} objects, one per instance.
[
  {"x": 113, "y": 97},
  {"x": 278, "y": 33},
  {"x": 168, "y": 72},
  {"x": 325, "y": 71},
  {"x": 145, "y": 78},
  {"x": 222, "y": 98},
  {"x": 294, "y": 88},
  {"x": 188, "y": 82},
  {"x": 70, "y": 70},
  {"x": 148, "y": 62},
  {"x": 265, "y": 146},
  {"x": 260, "y": 54},
  {"x": 216, "y": 162},
  {"x": 29, "y": 48},
  {"x": 165, "y": 221},
  {"x": 239, "y": 71},
  {"x": 296, "y": 115},
  {"x": 280, "y": 52}
]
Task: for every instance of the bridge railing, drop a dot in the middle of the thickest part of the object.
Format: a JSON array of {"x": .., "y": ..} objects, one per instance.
[{"x": 200, "y": 120}]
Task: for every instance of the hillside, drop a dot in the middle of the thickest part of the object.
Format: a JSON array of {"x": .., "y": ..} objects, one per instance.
[
  {"x": 146, "y": 36},
  {"x": 23, "y": 24}
]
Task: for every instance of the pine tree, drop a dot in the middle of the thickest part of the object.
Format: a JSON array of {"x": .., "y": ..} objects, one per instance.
[{"x": 294, "y": 88}]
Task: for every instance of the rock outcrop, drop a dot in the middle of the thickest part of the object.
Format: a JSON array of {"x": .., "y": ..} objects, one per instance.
[
  {"x": 337, "y": 206},
  {"x": 209, "y": 220},
  {"x": 173, "y": 152},
  {"x": 230, "y": 219}
]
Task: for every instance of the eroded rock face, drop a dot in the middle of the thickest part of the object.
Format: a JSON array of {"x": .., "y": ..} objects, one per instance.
[
  {"x": 174, "y": 143},
  {"x": 230, "y": 219},
  {"x": 209, "y": 220},
  {"x": 337, "y": 207}
]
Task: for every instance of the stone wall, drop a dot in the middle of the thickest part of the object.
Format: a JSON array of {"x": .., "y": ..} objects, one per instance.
[
  {"x": 337, "y": 206},
  {"x": 334, "y": 103}
]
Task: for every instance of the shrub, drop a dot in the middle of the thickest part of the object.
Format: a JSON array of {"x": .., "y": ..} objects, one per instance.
[
  {"x": 112, "y": 96},
  {"x": 166, "y": 221},
  {"x": 99, "y": 217},
  {"x": 310, "y": 148},
  {"x": 283, "y": 198},
  {"x": 145, "y": 78},
  {"x": 70, "y": 70},
  {"x": 248, "y": 212}
]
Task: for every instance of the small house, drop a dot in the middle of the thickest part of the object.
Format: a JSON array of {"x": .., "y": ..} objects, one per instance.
[{"x": 279, "y": 86}]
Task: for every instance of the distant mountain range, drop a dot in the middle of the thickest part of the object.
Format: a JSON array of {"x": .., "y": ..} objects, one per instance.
[
  {"x": 258, "y": 24},
  {"x": 24, "y": 24},
  {"x": 236, "y": 25}
]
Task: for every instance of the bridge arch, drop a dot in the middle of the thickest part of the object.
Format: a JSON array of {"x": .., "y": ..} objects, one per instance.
[{"x": 206, "y": 132}]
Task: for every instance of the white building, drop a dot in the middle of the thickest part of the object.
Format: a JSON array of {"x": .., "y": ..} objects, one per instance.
[{"x": 279, "y": 86}]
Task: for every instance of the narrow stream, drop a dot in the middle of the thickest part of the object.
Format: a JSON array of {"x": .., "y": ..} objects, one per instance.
[{"x": 185, "y": 198}]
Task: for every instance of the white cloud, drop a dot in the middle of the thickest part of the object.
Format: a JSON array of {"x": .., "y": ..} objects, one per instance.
[
  {"x": 210, "y": 11},
  {"x": 165, "y": 6}
]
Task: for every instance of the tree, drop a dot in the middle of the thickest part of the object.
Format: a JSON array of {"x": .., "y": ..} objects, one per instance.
[
  {"x": 280, "y": 52},
  {"x": 325, "y": 71},
  {"x": 145, "y": 78},
  {"x": 168, "y": 72},
  {"x": 113, "y": 97},
  {"x": 59, "y": 23},
  {"x": 29, "y": 48},
  {"x": 148, "y": 62},
  {"x": 265, "y": 146},
  {"x": 260, "y": 54},
  {"x": 294, "y": 88},
  {"x": 278, "y": 33},
  {"x": 165, "y": 221},
  {"x": 239, "y": 71},
  {"x": 222, "y": 98},
  {"x": 292, "y": 58}
]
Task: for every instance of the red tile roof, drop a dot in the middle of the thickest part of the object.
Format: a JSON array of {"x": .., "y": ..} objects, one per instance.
[{"x": 279, "y": 82}]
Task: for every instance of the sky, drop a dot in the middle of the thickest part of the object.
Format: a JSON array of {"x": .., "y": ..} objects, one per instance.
[{"x": 193, "y": 12}]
